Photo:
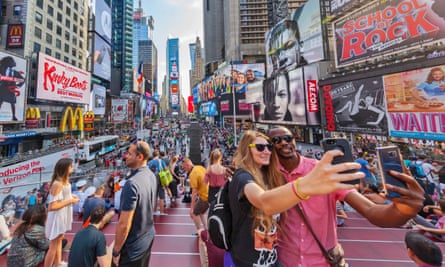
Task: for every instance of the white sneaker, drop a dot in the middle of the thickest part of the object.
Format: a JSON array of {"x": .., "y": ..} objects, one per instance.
[
  {"x": 63, "y": 264},
  {"x": 157, "y": 213}
]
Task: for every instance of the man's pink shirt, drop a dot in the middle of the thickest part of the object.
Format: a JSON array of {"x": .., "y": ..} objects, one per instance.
[{"x": 296, "y": 246}]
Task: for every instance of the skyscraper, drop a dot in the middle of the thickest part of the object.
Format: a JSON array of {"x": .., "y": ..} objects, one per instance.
[{"x": 122, "y": 59}]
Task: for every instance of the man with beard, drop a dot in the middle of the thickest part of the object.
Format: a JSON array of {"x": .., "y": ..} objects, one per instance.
[{"x": 297, "y": 246}]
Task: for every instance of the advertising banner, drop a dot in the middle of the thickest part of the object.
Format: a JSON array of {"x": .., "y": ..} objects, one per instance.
[
  {"x": 102, "y": 14},
  {"x": 228, "y": 76},
  {"x": 15, "y": 37},
  {"x": 312, "y": 95},
  {"x": 102, "y": 58},
  {"x": 73, "y": 120},
  {"x": 119, "y": 111},
  {"x": 13, "y": 72},
  {"x": 339, "y": 6},
  {"x": 98, "y": 99},
  {"x": 284, "y": 98},
  {"x": 208, "y": 108},
  {"x": 308, "y": 20},
  {"x": 416, "y": 103},
  {"x": 356, "y": 106},
  {"x": 60, "y": 81},
  {"x": 387, "y": 27}
]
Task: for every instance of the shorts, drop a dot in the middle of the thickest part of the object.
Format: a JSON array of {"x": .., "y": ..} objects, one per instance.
[
  {"x": 161, "y": 192},
  {"x": 200, "y": 207}
]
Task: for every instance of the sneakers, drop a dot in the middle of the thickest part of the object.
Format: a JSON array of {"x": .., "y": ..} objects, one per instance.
[{"x": 63, "y": 264}]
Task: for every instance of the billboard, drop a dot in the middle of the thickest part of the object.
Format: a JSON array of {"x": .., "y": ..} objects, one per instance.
[
  {"x": 356, "y": 106},
  {"x": 102, "y": 58},
  {"x": 241, "y": 106},
  {"x": 60, "y": 81},
  {"x": 98, "y": 97},
  {"x": 387, "y": 27},
  {"x": 13, "y": 71},
  {"x": 310, "y": 74},
  {"x": 284, "y": 98},
  {"x": 308, "y": 20},
  {"x": 119, "y": 110},
  {"x": 15, "y": 36},
  {"x": 102, "y": 19},
  {"x": 416, "y": 103}
]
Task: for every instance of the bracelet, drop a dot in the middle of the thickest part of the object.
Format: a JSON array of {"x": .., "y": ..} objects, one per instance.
[
  {"x": 297, "y": 192},
  {"x": 115, "y": 253}
]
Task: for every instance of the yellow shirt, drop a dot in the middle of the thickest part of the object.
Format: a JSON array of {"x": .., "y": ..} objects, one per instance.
[{"x": 197, "y": 182}]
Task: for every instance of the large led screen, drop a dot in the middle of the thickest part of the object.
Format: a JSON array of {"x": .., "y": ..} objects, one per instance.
[
  {"x": 102, "y": 58},
  {"x": 13, "y": 75},
  {"x": 416, "y": 103},
  {"x": 387, "y": 27}
]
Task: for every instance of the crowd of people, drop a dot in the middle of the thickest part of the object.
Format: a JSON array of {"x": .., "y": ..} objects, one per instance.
[{"x": 275, "y": 193}]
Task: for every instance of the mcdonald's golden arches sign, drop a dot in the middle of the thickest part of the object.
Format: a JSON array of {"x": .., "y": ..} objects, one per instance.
[
  {"x": 74, "y": 118},
  {"x": 15, "y": 35}
]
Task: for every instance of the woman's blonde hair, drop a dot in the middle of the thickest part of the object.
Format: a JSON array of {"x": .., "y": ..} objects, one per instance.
[
  {"x": 215, "y": 156},
  {"x": 267, "y": 177}
]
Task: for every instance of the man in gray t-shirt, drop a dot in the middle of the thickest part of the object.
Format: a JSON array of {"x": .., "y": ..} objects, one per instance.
[{"x": 135, "y": 230}]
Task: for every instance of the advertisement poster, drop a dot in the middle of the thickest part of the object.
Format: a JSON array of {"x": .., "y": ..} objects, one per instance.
[
  {"x": 308, "y": 19},
  {"x": 103, "y": 23},
  {"x": 98, "y": 99},
  {"x": 387, "y": 27},
  {"x": 60, "y": 81},
  {"x": 12, "y": 88},
  {"x": 228, "y": 76},
  {"x": 102, "y": 58},
  {"x": 283, "y": 99},
  {"x": 356, "y": 106},
  {"x": 119, "y": 110},
  {"x": 416, "y": 103}
]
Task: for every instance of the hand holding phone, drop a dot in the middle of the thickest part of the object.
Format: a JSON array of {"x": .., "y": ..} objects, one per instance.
[
  {"x": 389, "y": 158},
  {"x": 344, "y": 146}
]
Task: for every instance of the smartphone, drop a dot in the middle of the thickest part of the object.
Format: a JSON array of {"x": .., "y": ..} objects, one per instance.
[
  {"x": 389, "y": 158},
  {"x": 344, "y": 146}
]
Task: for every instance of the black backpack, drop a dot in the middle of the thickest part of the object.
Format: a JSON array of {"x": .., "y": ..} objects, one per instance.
[{"x": 220, "y": 218}]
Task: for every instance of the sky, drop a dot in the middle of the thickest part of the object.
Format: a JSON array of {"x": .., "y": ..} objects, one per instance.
[{"x": 175, "y": 19}]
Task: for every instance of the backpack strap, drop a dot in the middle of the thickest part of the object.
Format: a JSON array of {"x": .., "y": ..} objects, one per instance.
[{"x": 235, "y": 230}]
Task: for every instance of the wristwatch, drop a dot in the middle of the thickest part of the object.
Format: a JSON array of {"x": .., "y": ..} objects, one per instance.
[{"x": 115, "y": 253}]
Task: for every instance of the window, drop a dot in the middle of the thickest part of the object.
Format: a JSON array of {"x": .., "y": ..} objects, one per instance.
[
  {"x": 59, "y": 17},
  {"x": 49, "y": 24},
  {"x": 66, "y": 59},
  {"x": 68, "y": 11},
  {"x": 39, "y": 3},
  {"x": 74, "y": 40},
  {"x": 36, "y": 47},
  {"x": 38, "y": 33},
  {"x": 59, "y": 30},
  {"x": 74, "y": 28},
  {"x": 48, "y": 51},
  {"x": 76, "y": 6},
  {"x": 67, "y": 35},
  {"x": 49, "y": 38},
  {"x": 58, "y": 56},
  {"x": 50, "y": 11},
  {"x": 60, "y": 4},
  {"x": 67, "y": 23},
  {"x": 58, "y": 43},
  {"x": 75, "y": 17},
  {"x": 17, "y": 10},
  {"x": 67, "y": 48},
  {"x": 38, "y": 17},
  {"x": 74, "y": 52},
  {"x": 4, "y": 11}
]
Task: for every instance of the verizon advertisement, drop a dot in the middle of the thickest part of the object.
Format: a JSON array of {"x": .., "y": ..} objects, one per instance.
[
  {"x": 387, "y": 27},
  {"x": 356, "y": 106},
  {"x": 416, "y": 103},
  {"x": 59, "y": 81}
]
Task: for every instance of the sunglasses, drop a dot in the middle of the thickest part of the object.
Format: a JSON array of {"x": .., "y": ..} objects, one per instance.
[
  {"x": 261, "y": 147},
  {"x": 278, "y": 139}
]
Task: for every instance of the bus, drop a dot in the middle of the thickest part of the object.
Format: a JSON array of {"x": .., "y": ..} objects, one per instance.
[{"x": 98, "y": 146}]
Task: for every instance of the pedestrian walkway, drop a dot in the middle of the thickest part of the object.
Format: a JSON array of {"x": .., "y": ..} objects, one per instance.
[{"x": 174, "y": 246}]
